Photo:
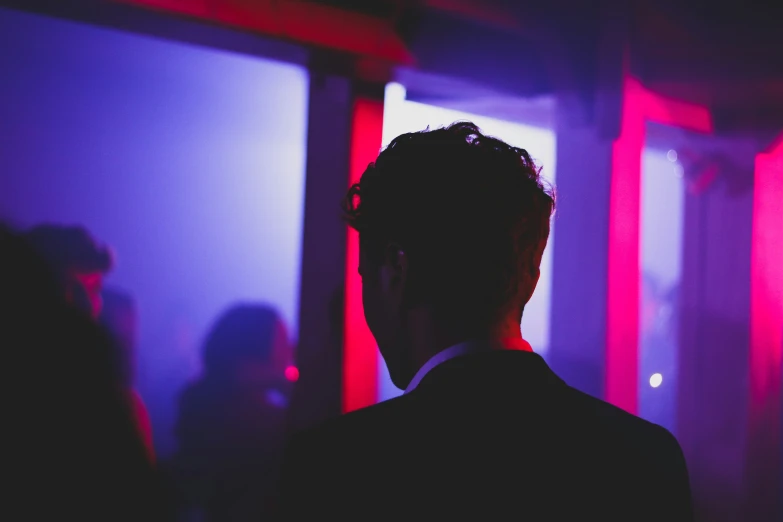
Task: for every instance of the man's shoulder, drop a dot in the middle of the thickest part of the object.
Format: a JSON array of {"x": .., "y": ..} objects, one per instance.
[
  {"x": 617, "y": 427},
  {"x": 644, "y": 459},
  {"x": 357, "y": 426},
  {"x": 351, "y": 451}
]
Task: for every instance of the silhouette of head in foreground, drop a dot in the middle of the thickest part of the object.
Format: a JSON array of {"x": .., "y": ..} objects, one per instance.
[
  {"x": 78, "y": 260},
  {"x": 452, "y": 227},
  {"x": 76, "y": 449}
]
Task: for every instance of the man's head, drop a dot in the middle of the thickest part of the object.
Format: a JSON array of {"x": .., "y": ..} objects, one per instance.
[
  {"x": 453, "y": 223},
  {"x": 78, "y": 261},
  {"x": 248, "y": 344}
]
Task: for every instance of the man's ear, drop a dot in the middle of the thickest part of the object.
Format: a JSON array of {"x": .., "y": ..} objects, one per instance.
[{"x": 395, "y": 263}]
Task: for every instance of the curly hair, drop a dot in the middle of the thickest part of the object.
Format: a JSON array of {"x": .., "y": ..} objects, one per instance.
[{"x": 471, "y": 212}]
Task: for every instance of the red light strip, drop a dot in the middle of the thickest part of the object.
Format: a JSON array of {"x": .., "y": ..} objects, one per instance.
[
  {"x": 622, "y": 328},
  {"x": 766, "y": 332},
  {"x": 360, "y": 353}
]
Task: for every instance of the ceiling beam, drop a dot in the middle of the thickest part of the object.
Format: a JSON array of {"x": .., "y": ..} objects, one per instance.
[
  {"x": 485, "y": 11},
  {"x": 303, "y": 22}
]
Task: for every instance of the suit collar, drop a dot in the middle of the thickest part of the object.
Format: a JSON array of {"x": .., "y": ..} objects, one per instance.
[{"x": 471, "y": 347}]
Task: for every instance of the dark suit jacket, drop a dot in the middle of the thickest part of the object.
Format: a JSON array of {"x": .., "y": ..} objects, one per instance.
[{"x": 491, "y": 436}]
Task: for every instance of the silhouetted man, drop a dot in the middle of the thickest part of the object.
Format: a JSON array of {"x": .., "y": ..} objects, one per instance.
[
  {"x": 452, "y": 228},
  {"x": 231, "y": 422}
]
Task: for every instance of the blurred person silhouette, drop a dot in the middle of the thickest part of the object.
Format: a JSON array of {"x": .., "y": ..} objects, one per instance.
[
  {"x": 120, "y": 318},
  {"x": 452, "y": 227},
  {"x": 72, "y": 448},
  {"x": 231, "y": 424},
  {"x": 80, "y": 265}
]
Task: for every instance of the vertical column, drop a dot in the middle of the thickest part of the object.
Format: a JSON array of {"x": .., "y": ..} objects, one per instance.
[
  {"x": 596, "y": 257},
  {"x": 715, "y": 336},
  {"x": 595, "y": 291},
  {"x": 360, "y": 353},
  {"x": 589, "y": 104},
  {"x": 764, "y": 484},
  {"x": 622, "y": 304},
  {"x": 319, "y": 353},
  {"x": 580, "y": 256},
  {"x": 337, "y": 355}
]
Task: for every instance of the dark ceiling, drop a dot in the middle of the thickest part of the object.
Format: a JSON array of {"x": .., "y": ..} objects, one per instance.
[
  {"x": 379, "y": 8},
  {"x": 728, "y": 54}
]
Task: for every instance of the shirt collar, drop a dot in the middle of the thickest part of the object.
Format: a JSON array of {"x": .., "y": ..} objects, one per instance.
[{"x": 465, "y": 348}]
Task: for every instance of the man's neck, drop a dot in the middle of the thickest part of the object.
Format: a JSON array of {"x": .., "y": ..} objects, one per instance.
[{"x": 430, "y": 337}]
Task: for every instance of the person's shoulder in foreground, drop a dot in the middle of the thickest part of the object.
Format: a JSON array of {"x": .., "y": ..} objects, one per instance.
[{"x": 452, "y": 228}]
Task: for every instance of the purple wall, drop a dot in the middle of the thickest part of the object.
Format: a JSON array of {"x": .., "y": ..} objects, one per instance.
[{"x": 189, "y": 161}]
